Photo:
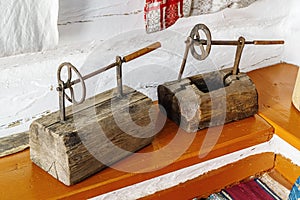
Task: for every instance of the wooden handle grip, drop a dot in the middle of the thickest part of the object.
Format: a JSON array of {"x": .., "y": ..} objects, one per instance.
[
  {"x": 264, "y": 42},
  {"x": 141, "y": 52}
]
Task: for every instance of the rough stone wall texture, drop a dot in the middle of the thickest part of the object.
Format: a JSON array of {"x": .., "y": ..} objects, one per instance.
[{"x": 27, "y": 26}]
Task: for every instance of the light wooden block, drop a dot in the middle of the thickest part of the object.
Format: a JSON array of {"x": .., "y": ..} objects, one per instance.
[{"x": 74, "y": 150}]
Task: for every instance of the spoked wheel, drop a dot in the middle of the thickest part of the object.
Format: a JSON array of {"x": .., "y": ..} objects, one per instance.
[
  {"x": 204, "y": 45},
  {"x": 68, "y": 82}
]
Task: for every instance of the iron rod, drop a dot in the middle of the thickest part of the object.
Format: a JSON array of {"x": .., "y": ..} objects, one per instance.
[
  {"x": 94, "y": 73},
  {"x": 127, "y": 58},
  {"x": 235, "y": 43}
]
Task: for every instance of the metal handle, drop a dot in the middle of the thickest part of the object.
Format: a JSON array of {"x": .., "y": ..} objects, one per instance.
[
  {"x": 63, "y": 85},
  {"x": 195, "y": 36},
  {"x": 68, "y": 84},
  {"x": 235, "y": 42},
  {"x": 194, "y": 40},
  {"x": 127, "y": 58},
  {"x": 238, "y": 55}
]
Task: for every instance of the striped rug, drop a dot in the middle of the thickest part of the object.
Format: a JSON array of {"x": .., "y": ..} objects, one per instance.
[{"x": 256, "y": 189}]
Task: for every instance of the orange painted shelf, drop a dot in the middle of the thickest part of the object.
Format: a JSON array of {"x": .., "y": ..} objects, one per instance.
[
  {"x": 215, "y": 180},
  {"x": 21, "y": 179},
  {"x": 275, "y": 85}
]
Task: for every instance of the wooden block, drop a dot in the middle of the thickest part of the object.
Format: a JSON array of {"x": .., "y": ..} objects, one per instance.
[
  {"x": 210, "y": 99},
  {"x": 14, "y": 143},
  {"x": 91, "y": 138},
  {"x": 34, "y": 183}
]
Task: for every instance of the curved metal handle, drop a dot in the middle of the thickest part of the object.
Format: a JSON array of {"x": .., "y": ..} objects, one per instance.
[
  {"x": 195, "y": 40},
  {"x": 196, "y": 37},
  {"x": 68, "y": 84}
]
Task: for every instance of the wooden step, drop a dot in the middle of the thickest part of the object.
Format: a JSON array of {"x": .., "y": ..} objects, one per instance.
[
  {"x": 275, "y": 85},
  {"x": 218, "y": 179},
  {"x": 17, "y": 171}
]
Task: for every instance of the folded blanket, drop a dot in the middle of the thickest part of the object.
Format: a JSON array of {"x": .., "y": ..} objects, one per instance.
[
  {"x": 161, "y": 14},
  {"x": 254, "y": 189}
]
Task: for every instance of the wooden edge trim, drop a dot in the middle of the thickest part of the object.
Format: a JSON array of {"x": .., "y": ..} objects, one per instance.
[
  {"x": 287, "y": 169},
  {"x": 285, "y": 135}
]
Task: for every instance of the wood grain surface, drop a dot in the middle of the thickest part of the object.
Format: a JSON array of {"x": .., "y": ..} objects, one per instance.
[
  {"x": 90, "y": 138},
  {"x": 18, "y": 171},
  {"x": 208, "y": 100},
  {"x": 14, "y": 143},
  {"x": 275, "y": 85}
]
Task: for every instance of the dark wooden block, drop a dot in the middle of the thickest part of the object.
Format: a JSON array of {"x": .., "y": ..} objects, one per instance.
[
  {"x": 64, "y": 149},
  {"x": 209, "y": 99}
]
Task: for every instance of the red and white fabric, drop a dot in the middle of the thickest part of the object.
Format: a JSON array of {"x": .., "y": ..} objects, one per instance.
[{"x": 161, "y": 14}]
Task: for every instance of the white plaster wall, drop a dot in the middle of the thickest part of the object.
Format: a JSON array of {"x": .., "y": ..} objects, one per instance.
[
  {"x": 110, "y": 28},
  {"x": 98, "y": 20},
  {"x": 104, "y": 29},
  {"x": 72, "y": 11},
  {"x": 27, "y": 26},
  {"x": 83, "y": 20}
]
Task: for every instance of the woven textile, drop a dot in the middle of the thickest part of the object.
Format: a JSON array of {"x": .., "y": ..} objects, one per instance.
[
  {"x": 160, "y": 14},
  {"x": 252, "y": 190},
  {"x": 295, "y": 193},
  {"x": 280, "y": 190}
]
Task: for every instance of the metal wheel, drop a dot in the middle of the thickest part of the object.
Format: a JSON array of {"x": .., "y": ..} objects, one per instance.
[
  {"x": 67, "y": 84},
  {"x": 197, "y": 41}
]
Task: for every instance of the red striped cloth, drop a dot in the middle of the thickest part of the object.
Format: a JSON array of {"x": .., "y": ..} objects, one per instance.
[
  {"x": 161, "y": 14},
  {"x": 252, "y": 190}
]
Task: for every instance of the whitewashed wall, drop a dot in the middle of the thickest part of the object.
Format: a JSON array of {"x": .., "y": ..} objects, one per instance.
[
  {"x": 27, "y": 26},
  {"x": 98, "y": 20},
  {"x": 93, "y": 19},
  {"x": 109, "y": 28},
  {"x": 95, "y": 31}
]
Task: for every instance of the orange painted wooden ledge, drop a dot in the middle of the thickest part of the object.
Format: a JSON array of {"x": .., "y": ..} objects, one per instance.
[
  {"x": 21, "y": 179},
  {"x": 275, "y": 85},
  {"x": 215, "y": 180},
  {"x": 287, "y": 169}
]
